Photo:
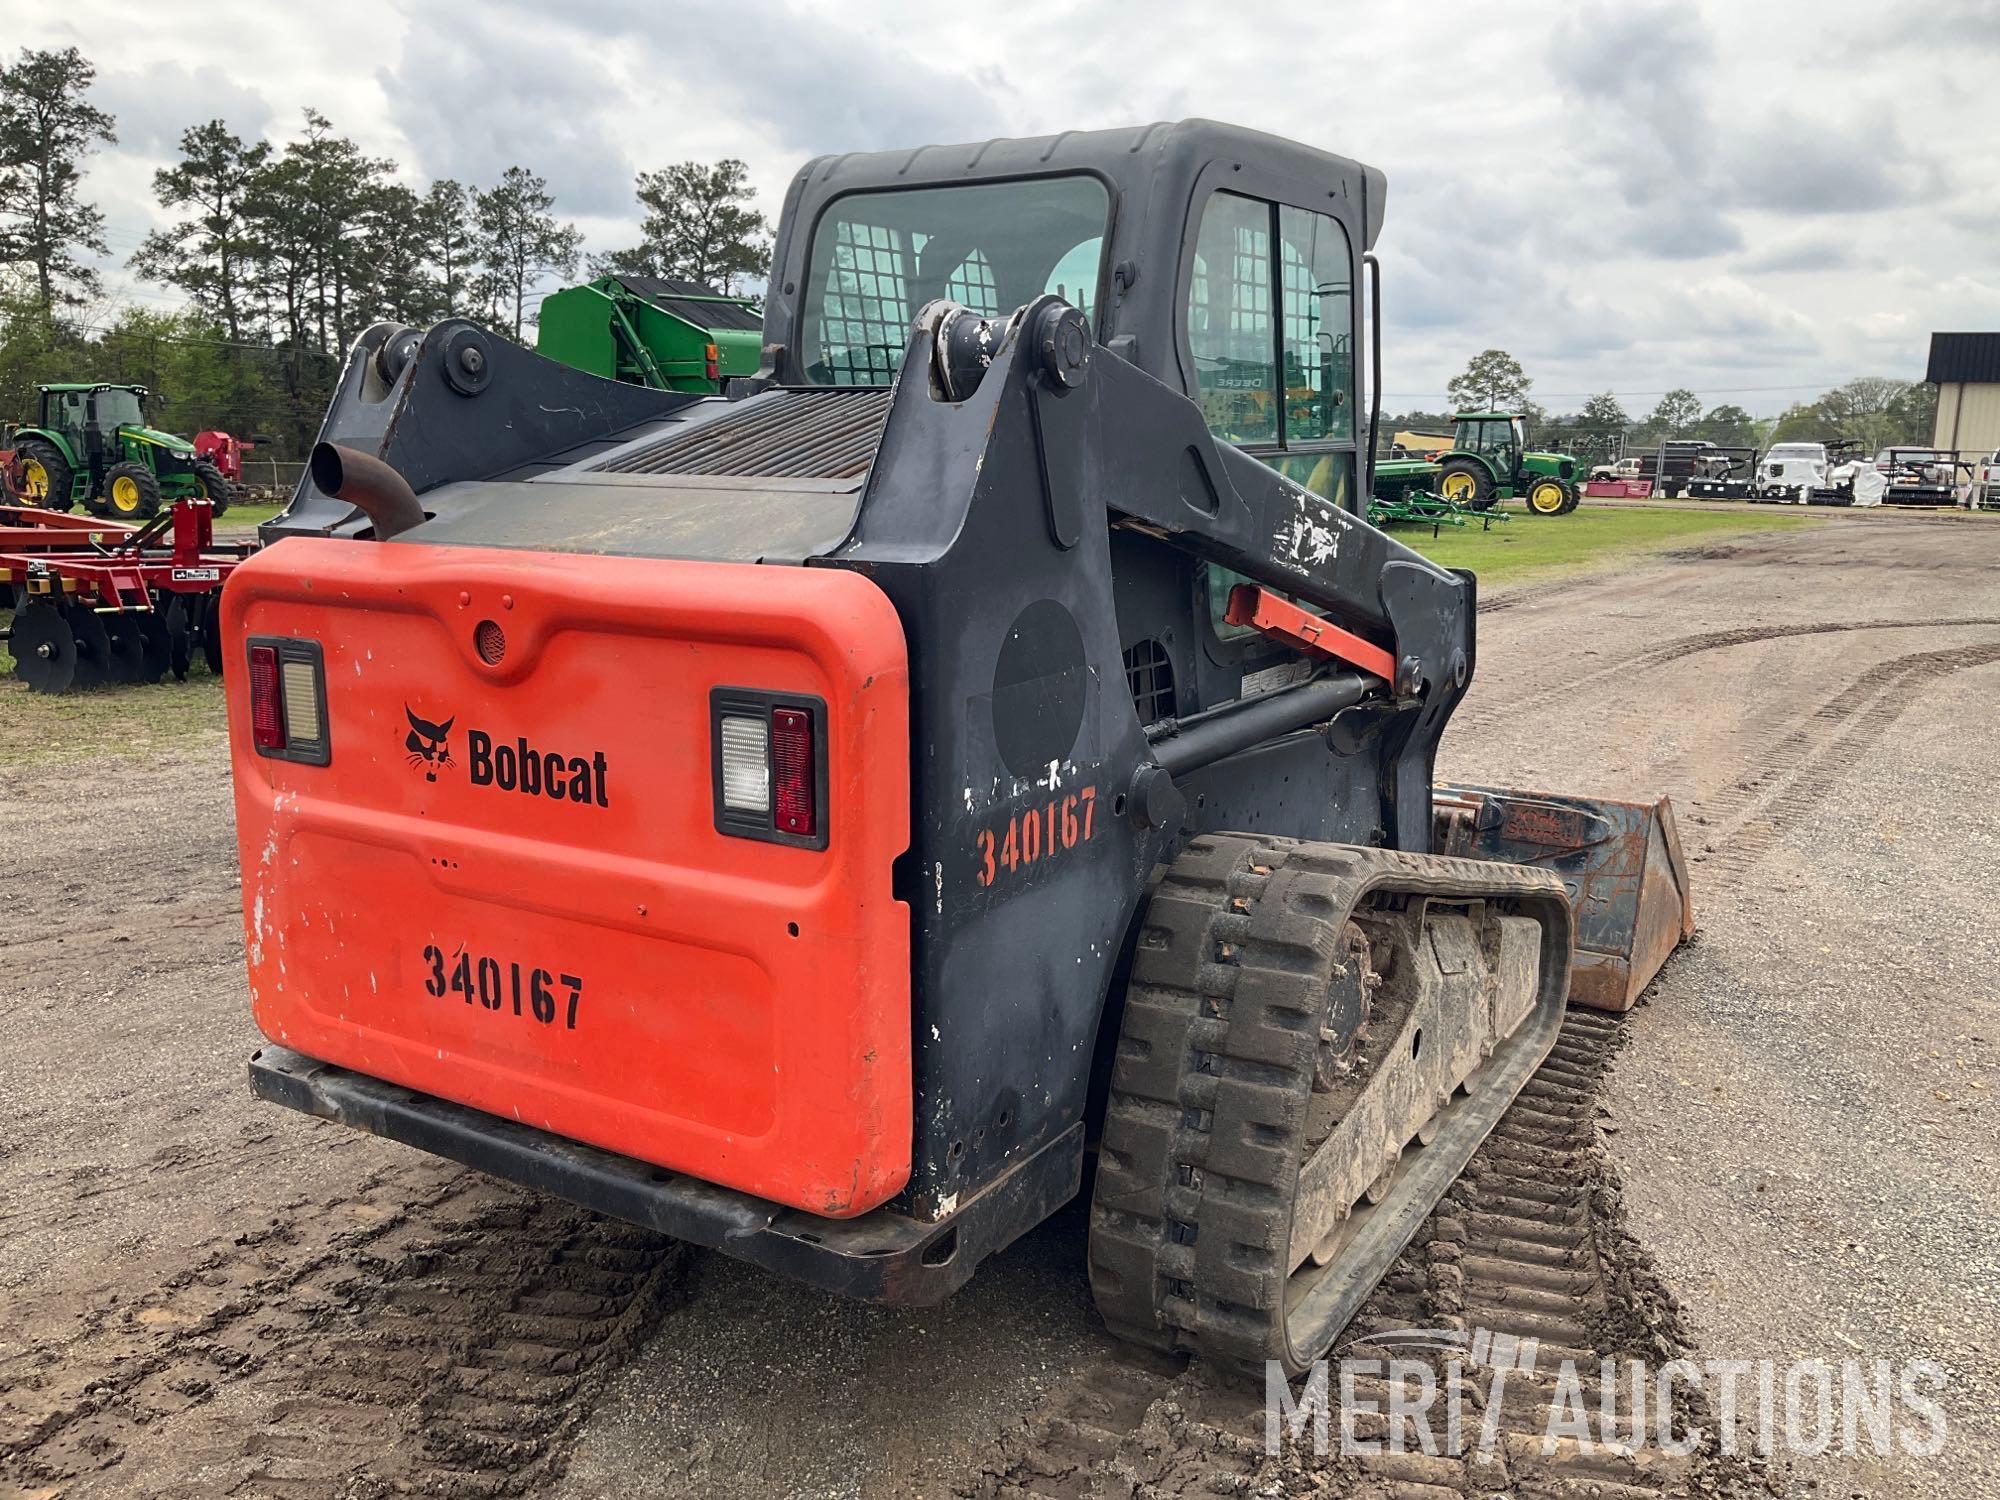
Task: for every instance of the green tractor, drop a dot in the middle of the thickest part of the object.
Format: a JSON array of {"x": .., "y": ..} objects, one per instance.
[
  {"x": 90, "y": 446},
  {"x": 1489, "y": 461}
]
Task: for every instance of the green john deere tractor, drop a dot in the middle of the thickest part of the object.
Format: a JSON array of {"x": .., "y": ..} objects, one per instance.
[
  {"x": 90, "y": 446},
  {"x": 1489, "y": 461}
]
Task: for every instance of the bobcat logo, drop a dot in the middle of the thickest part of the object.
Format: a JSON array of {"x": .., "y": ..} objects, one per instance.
[{"x": 427, "y": 744}]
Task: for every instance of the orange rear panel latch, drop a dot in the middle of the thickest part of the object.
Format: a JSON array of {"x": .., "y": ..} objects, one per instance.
[{"x": 1305, "y": 631}]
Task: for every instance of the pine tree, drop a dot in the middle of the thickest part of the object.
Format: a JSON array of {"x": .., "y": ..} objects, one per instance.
[
  {"x": 1492, "y": 381},
  {"x": 446, "y": 232},
  {"x": 47, "y": 127},
  {"x": 520, "y": 241},
  {"x": 698, "y": 227},
  {"x": 214, "y": 255}
]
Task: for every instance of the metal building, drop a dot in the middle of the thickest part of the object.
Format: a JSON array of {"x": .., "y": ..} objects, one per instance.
[{"x": 1965, "y": 367}]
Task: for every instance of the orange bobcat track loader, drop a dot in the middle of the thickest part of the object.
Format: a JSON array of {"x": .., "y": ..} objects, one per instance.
[{"x": 814, "y": 820}]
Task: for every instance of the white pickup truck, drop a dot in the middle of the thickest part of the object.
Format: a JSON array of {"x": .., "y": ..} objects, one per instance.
[{"x": 1984, "y": 491}]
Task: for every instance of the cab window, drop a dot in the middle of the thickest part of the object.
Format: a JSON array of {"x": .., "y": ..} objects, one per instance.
[
  {"x": 1229, "y": 321},
  {"x": 877, "y": 258},
  {"x": 1489, "y": 435},
  {"x": 1319, "y": 327},
  {"x": 1270, "y": 321}
]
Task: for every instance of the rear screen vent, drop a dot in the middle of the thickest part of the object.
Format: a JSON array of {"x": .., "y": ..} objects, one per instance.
[
  {"x": 791, "y": 434},
  {"x": 1149, "y": 673}
]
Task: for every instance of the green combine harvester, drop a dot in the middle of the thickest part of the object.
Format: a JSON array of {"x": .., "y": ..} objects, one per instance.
[
  {"x": 645, "y": 330},
  {"x": 89, "y": 445}
]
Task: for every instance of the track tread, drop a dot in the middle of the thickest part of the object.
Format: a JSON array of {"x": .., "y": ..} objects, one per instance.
[{"x": 1205, "y": 1127}]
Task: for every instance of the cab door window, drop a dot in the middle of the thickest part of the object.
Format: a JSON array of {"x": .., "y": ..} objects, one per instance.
[
  {"x": 1270, "y": 323},
  {"x": 1318, "y": 328},
  {"x": 1229, "y": 321}
]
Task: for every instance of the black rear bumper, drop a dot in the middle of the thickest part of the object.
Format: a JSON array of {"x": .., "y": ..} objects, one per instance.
[{"x": 881, "y": 1256}]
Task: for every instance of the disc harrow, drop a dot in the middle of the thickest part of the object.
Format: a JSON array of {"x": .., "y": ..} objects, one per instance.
[{"x": 98, "y": 602}]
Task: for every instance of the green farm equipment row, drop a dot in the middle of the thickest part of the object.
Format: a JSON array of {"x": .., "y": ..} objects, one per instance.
[{"x": 1414, "y": 507}]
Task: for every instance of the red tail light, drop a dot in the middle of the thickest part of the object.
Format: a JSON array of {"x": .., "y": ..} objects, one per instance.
[
  {"x": 267, "y": 719},
  {"x": 769, "y": 766},
  {"x": 794, "y": 769},
  {"x": 711, "y": 361},
  {"x": 288, "y": 700}
]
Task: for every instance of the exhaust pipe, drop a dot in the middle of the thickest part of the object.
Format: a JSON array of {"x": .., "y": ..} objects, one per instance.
[{"x": 365, "y": 481}]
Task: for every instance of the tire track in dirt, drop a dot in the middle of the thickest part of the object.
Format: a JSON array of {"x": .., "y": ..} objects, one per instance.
[
  {"x": 1641, "y": 575},
  {"x": 1568, "y": 590},
  {"x": 1750, "y": 814},
  {"x": 1481, "y": 714},
  {"x": 433, "y": 1332}
]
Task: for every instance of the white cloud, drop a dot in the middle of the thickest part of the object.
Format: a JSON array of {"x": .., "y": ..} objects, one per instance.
[{"x": 1628, "y": 196}]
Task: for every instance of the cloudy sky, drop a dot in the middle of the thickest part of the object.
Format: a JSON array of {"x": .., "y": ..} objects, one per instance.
[{"x": 1755, "y": 198}]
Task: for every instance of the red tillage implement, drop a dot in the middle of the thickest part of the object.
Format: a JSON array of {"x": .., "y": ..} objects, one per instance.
[{"x": 100, "y": 601}]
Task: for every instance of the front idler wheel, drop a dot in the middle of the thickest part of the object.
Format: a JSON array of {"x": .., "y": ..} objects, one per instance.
[{"x": 1315, "y": 1038}]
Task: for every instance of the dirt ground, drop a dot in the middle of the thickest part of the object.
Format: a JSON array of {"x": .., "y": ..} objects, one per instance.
[{"x": 1794, "y": 1137}]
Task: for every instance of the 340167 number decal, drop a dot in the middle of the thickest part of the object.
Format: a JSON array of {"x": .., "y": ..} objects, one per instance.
[
  {"x": 496, "y": 986},
  {"x": 1037, "y": 833}
]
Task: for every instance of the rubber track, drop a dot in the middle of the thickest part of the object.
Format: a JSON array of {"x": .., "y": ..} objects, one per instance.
[{"x": 1204, "y": 1130}]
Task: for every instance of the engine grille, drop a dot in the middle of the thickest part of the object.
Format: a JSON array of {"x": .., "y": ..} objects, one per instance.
[{"x": 793, "y": 434}]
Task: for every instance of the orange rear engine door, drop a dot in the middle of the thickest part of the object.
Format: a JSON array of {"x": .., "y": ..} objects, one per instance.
[{"x": 506, "y": 884}]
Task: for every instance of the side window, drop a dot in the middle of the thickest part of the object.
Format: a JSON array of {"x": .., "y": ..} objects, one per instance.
[
  {"x": 1229, "y": 320},
  {"x": 1329, "y": 472},
  {"x": 1319, "y": 328}
]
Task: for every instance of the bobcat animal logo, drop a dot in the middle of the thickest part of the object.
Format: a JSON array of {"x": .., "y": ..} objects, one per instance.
[{"x": 427, "y": 743}]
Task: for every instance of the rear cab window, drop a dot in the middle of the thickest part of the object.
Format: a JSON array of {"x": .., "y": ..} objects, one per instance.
[{"x": 878, "y": 258}]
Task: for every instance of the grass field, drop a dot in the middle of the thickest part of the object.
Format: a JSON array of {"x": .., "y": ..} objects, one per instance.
[
  {"x": 242, "y": 518},
  {"x": 1588, "y": 537},
  {"x": 137, "y": 723}
]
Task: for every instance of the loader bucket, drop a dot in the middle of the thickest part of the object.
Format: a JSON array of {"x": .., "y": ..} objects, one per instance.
[{"x": 1620, "y": 861}]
